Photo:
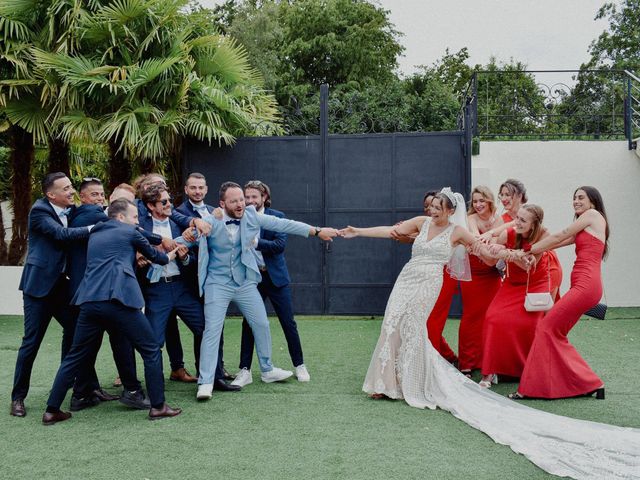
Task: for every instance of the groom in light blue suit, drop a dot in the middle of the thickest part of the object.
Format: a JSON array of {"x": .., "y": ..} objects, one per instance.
[{"x": 228, "y": 271}]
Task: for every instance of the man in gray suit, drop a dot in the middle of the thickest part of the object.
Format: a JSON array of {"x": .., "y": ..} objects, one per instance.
[{"x": 228, "y": 271}]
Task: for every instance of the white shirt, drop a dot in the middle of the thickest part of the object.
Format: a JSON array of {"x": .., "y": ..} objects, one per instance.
[
  {"x": 200, "y": 208},
  {"x": 258, "y": 253},
  {"x": 171, "y": 268},
  {"x": 232, "y": 228}
]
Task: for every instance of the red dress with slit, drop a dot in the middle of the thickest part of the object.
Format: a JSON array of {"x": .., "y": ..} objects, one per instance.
[
  {"x": 438, "y": 317},
  {"x": 508, "y": 328},
  {"x": 554, "y": 368},
  {"x": 477, "y": 295}
]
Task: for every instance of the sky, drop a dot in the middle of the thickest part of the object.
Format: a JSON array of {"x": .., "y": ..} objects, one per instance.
[{"x": 543, "y": 34}]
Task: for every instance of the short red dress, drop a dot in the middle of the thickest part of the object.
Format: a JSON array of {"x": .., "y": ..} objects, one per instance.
[
  {"x": 477, "y": 295},
  {"x": 508, "y": 328},
  {"x": 554, "y": 368},
  {"x": 438, "y": 317}
]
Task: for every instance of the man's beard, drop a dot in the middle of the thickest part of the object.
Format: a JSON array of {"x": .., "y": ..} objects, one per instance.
[{"x": 232, "y": 213}]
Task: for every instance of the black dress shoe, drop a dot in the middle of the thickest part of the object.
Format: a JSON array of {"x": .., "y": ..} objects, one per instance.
[
  {"x": 17, "y": 408},
  {"x": 104, "y": 396},
  {"x": 164, "y": 412},
  {"x": 226, "y": 375},
  {"x": 50, "y": 418},
  {"x": 81, "y": 403},
  {"x": 136, "y": 399},
  {"x": 222, "y": 386}
]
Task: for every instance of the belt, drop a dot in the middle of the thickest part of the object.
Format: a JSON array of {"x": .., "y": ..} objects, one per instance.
[{"x": 170, "y": 279}]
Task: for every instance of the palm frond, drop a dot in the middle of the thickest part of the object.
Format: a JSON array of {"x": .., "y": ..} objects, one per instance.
[{"x": 27, "y": 113}]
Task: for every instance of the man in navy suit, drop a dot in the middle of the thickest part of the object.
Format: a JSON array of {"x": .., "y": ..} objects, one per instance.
[
  {"x": 44, "y": 284},
  {"x": 87, "y": 391},
  {"x": 183, "y": 221},
  {"x": 169, "y": 294},
  {"x": 269, "y": 252},
  {"x": 110, "y": 299},
  {"x": 196, "y": 189}
]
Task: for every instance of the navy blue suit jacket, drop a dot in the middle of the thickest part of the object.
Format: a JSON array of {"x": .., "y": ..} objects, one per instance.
[
  {"x": 111, "y": 256},
  {"x": 48, "y": 245},
  {"x": 179, "y": 218},
  {"x": 191, "y": 270},
  {"x": 83, "y": 216},
  {"x": 272, "y": 245}
]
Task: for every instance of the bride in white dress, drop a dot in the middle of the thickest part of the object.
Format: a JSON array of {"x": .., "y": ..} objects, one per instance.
[{"x": 405, "y": 366}]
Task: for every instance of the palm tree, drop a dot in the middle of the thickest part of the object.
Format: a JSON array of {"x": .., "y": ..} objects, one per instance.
[{"x": 153, "y": 77}]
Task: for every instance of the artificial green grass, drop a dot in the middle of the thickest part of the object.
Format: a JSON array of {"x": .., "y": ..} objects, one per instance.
[{"x": 324, "y": 429}]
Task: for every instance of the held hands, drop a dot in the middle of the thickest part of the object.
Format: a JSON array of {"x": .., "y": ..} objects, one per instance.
[
  {"x": 203, "y": 228},
  {"x": 189, "y": 235},
  {"x": 172, "y": 254},
  {"x": 168, "y": 244},
  {"x": 486, "y": 237},
  {"x": 328, "y": 234},
  {"x": 401, "y": 237},
  {"x": 141, "y": 260},
  {"x": 182, "y": 251},
  {"x": 348, "y": 232}
]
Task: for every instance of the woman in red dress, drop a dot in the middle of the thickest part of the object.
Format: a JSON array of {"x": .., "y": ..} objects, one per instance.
[
  {"x": 509, "y": 329},
  {"x": 485, "y": 282},
  {"x": 554, "y": 368}
]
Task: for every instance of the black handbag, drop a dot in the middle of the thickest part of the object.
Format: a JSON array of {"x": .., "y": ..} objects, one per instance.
[{"x": 598, "y": 312}]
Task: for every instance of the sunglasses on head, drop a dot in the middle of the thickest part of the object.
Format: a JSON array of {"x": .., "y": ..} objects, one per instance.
[{"x": 91, "y": 179}]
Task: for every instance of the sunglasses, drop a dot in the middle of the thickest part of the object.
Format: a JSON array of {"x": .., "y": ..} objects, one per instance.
[
  {"x": 164, "y": 201},
  {"x": 91, "y": 179}
]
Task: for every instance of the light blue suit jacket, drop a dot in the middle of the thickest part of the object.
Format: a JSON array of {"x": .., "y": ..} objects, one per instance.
[{"x": 221, "y": 260}]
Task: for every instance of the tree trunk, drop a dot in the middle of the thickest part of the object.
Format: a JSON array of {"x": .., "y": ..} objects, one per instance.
[
  {"x": 58, "y": 156},
  {"x": 119, "y": 165},
  {"x": 22, "y": 156}
]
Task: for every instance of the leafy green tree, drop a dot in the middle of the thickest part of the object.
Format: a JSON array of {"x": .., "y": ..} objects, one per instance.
[{"x": 619, "y": 46}]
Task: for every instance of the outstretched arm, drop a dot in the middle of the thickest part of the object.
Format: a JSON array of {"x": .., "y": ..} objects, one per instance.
[
  {"x": 409, "y": 227},
  {"x": 567, "y": 235}
]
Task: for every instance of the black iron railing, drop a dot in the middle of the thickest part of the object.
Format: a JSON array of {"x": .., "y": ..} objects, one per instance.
[{"x": 553, "y": 104}]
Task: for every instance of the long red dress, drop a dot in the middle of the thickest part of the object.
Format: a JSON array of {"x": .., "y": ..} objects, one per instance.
[
  {"x": 508, "y": 328},
  {"x": 554, "y": 368},
  {"x": 438, "y": 317},
  {"x": 477, "y": 295}
]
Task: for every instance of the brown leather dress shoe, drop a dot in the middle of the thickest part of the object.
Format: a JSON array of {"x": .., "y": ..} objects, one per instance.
[
  {"x": 181, "y": 375},
  {"x": 104, "y": 396},
  {"x": 17, "y": 408},
  {"x": 165, "y": 412},
  {"x": 55, "y": 417}
]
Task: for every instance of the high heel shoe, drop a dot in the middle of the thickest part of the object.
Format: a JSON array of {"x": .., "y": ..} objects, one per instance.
[
  {"x": 491, "y": 379},
  {"x": 599, "y": 393}
]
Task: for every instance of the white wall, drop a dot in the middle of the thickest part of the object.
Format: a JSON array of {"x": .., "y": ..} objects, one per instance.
[
  {"x": 551, "y": 171},
  {"x": 10, "y": 297}
]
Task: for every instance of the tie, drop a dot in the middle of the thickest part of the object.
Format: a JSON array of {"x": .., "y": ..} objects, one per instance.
[
  {"x": 202, "y": 210},
  {"x": 65, "y": 212},
  {"x": 234, "y": 222},
  {"x": 160, "y": 223}
]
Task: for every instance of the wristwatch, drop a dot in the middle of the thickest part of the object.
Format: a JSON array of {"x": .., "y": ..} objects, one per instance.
[{"x": 318, "y": 230}]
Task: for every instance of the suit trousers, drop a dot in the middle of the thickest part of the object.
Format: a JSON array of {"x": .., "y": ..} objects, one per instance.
[
  {"x": 216, "y": 302},
  {"x": 117, "y": 319},
  {"x": 162, "y": 300},
  {"x": 38, "y": 312},
  {"x": 123, "y": 357},
  {"x": 280, "y": 298}
]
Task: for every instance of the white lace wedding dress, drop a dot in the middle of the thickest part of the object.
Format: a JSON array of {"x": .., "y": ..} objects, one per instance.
[{"x": 405, "y": 366}]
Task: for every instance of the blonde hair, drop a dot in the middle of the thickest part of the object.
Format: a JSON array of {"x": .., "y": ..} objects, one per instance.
[{"x": 487, "y": 194}]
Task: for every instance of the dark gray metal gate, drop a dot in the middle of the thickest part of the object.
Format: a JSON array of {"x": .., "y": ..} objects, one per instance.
[{"x": 339, "y": 180}]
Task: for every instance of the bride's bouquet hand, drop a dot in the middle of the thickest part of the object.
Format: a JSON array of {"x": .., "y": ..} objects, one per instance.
[{"x": 348, "y": 232}]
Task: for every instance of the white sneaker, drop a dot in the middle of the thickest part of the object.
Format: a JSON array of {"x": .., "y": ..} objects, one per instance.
[
  {"x": 243, "y": 378},
  {"x": 205, "y": 391},
  {"x": 275, "y": 375},
  {"x": 302, "y": 374}
]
